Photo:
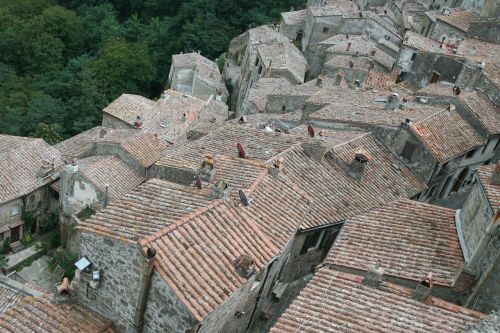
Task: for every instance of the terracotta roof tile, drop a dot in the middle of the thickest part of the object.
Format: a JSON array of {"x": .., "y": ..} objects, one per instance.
[
  {"x": 483, "y": 52},
  {"x": 419, "y": 42},
  {"x": 493, "y": 191},
  {"x": 295, "y": 17},
  {"x": 8, "y": 298},
  {"x": 447, "y": 135},
  {"x": 19, "y": 165},
  {"x": 459, "y": 18},
  {"x": 337, "y": 195},
  {"x": 109, "y": 170},
  {"x": 337, "y": 302},
  {"x": 196, "y": 255},
  {"x": 127, "y": 107},
  {"x": 408, "y": 238},
  {"x": 487, "y": 113},
  {"x": 334, "y": 137},
  {"x": 263, "y": 88},
  {"x": 33, "y": 315},
  {"x": 283, "y": 56}
]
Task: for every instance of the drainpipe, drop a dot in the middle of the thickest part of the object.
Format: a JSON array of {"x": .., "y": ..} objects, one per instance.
[{"x": 144, "y": 287}]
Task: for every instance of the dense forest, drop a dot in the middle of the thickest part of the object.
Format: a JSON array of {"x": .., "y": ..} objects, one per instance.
[{"x": 62, "y": 61}]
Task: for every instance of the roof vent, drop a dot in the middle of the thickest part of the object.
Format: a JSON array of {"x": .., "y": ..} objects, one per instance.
[
  {"x": 310, "y": 131},
  {"x": 392, "y": 102},
  {"x": 348, "y": 46},
  {"x": 102, "y": 133},
  {"x": 244, "y": 265},
  {"x": 446, "y": 10},
  {"x": 242, "y": 120},
  {"x": 456, "y": 90},
  {"x": 423, "y": 289},
  {"x": 373, "y": 277},
  {"x": 241, "y": 151},
  {"x": 207, "y": 171},
  {"x": 277, "y": 166},
  {"x": 220, "y": 190}
]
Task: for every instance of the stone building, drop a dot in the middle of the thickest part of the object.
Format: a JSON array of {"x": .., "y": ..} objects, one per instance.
[
  {"x": 28, "y": 167},
  {"x": 195, "y": 75},
  {"x": 409, "y": 240},
  {"x": 479, "y": 233},
  {"x": 336, "y": 301},
  {"x": 171, "y": 117},
  {"x": 448, "y": 25}
]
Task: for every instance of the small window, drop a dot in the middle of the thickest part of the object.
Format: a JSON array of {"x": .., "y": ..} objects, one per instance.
[
  {"x": 14, "y": 209},
  {"x": 257, "y": 61},
  {"x": 413, "y": 56},
  {"x": 470, "y": 154},
  {"x": 300, "y": 35},
  {"x": 312, "y": 242},
  {"x": 283, "y": 108},
  {"x": 408, "y": 150},
  {"x": 325, "y": 30},
  {"x": 260, "y": 69}
]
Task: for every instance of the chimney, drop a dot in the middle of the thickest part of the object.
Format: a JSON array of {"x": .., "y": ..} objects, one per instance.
[
  {"x": 357, "y": 167},
  {"x": 277, "y": 167},
  {"x": 423, "y": 289},
  {"x": 102, "y": 133},
  {"x": 373, "y": 277},
  {"x": 138, "y": 122},
  {"x": 348, "y": 46},
  {"x": 207, "y": 170},
  {"x": 244, "y": 265},
  {"x": 45, "y": 169},
  {"x": 392, "y": 102},
  {"x": 319, "y": 81},
  {"x": 220, "y": 190},
  {"x": 495, "y": 176}
]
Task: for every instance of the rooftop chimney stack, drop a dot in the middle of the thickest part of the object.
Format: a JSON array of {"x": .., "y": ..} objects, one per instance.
[
  {"x": 207, "y": 171},
  {"x": 102, "y": 133},
  {"x": 357, "y": 167},
  {"x": 277, "y": 167},
  {"x": 423, "y": 289},
  {"x": 319, "y": 81},
  {"x": 373, "y": 277},
  {"x": 220, "y": 190},
  {"x": 392, "y": 102}
]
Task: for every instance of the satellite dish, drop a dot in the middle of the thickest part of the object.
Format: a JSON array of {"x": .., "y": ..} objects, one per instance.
[
  {"x": 243, "y": 198},
  {"x": 310, "y": 129},
  {"x": 197, "y": 181},
  {"x": 241, "y": 151}
]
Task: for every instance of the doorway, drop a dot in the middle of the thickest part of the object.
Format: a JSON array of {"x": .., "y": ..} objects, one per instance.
[
  {"x": 460, "y": 179},
  {"x": 435, "y": 77},
  {"x": 15, "y": 234}
]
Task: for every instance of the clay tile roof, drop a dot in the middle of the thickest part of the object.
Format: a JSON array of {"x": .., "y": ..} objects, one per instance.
[
  {"x": 206, "y": 70},
  {"x": 20, "y": 162},
  {"x": 436, "y": 89},
  {"x": 447, "y": 135},
  {"x": 295, "y": 17},
  {"x": 261, "y": 120},
  {"x": 263, "y": 88},
  {"x": 283, "y": 56},
  {"x": 365, "y": 108},
  {"x": 8, "y": 298},
  {"x": 419, "y": 42},
  {"x": 337, "y": 302},
  {"x": 39, "y": 315},
  {"x": 408, "y": 238},
  {"x": 110, "y": 170},
  {"x": 334, "y": 8},
  {"x": 196, "y": 255},
  {"x": 258, "y": 144},
  {"x": 338, "y": 196},
  {"x": 146, "y": 209},
  {"x": 483, "y": 52},
  {"x": 459, "y": 18},
  {"x": 334, "y": 137},
  {"x": 127, "y": 107},
  {"x": 493, "y": 191},
  {"x": 145, "y": 147},
  {"x": 487, "y": 113}
]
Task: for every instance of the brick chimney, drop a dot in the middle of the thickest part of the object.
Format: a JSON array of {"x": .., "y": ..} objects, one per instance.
[
  {"x": 373, "y": 277},
  {"x": 423, "y": 289},
  {"x": 358, "y": 164},
  {"x": 495, "y": 176}
]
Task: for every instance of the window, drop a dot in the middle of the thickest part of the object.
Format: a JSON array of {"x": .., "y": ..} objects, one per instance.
[
  {"x": 257, "y": 61},
  {"x": 31, "y": 201},
  {"x": 470, "y": 154},
  {"x": 413, "y": 56},
  {"x": 434, "y": 78},
  {"x": 325, "y": 30},
  {"x": 260, "y": 69},
  {"x": 408, "y": 150},
  {"x": 14, "y": 209},
  {"x": 300, "y": 35},
  {"x": 283, "y": 108},
  {"x": 313, "y": 242}
]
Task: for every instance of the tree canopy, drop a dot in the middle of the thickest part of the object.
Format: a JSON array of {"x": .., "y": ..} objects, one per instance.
[{"x": 63, "y": 61}]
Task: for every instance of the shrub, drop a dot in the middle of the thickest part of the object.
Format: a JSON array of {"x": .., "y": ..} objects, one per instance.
[
  {"x": 6, "y": 246},
  {"x": 27, "y": 238},
  {"x": 51, "y": 223},
  {"x": 28, "y": 219},
  {"x": 55, "y": 240}
]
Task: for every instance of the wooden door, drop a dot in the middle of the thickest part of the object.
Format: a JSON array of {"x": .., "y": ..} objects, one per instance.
[{"x": 15, "y": 234}]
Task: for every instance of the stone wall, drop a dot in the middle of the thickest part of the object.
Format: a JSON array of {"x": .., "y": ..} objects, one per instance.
[
  {"x": 164, "y": 312},
  {"x": 113, "y": 122},
  {"x": 440, "y": 30},
  {"x": 120, "y": 264},
  {"x": 448, "y": 69},
  {"x": 475, "y": 217}
]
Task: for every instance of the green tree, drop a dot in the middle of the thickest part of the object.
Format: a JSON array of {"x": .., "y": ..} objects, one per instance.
[{"x": 51, "y": 133}]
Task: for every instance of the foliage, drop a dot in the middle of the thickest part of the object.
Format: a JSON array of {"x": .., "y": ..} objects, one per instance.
[
  {"x": 28, "y": 219},
  {"x": 26, "y": 239},
  {"x": 67, "y": 263},
  {"x": 51, "y": 223},
  {"x": 63, "y": 61},
  {"x": 6, "y": 246},
  {"x": 55, "y": 239}
]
